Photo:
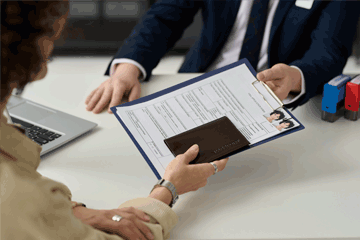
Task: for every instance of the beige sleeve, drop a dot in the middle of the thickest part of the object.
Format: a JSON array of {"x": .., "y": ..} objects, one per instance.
[
  {"x": 30, "y": 210},
  {"x": 35, "y": 207},
  {"x": 163, "y": 218},
  {"x": 61, "y": 187}
]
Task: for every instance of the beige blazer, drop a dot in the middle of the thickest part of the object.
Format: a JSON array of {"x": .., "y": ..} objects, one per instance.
[{"x": 35, "y": 207}]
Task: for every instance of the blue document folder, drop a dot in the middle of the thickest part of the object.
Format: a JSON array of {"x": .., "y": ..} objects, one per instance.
[{"x": 189, "y": 82}]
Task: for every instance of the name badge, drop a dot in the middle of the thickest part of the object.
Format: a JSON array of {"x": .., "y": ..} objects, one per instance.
[{"x": 307, "y": 4}]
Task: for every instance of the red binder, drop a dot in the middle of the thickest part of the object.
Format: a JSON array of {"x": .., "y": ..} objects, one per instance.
[{"x": 352, "y": 99}]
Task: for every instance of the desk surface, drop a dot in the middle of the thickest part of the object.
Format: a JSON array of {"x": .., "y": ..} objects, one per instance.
[{"x": 306, "y": 185}]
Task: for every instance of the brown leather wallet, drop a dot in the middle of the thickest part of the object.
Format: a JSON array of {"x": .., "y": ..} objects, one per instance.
[{"x": 216, "y": 139}]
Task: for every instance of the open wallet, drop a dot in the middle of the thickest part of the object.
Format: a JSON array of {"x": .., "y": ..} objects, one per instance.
[{"x": 216, "y": 140}]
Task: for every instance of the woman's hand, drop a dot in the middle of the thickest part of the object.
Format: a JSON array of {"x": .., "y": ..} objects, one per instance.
[
  {"x": 131, "y": 225},
  {"x": 186, "y": 177}
]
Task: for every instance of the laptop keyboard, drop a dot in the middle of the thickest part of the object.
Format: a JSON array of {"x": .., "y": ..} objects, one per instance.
[{"x": 39, "y": 135}]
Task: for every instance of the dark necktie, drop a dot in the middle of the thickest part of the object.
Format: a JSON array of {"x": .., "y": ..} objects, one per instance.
[{"x": 255, "y": 32}]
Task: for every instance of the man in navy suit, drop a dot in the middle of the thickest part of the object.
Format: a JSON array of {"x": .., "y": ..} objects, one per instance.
[{"x": 296, "y": 46}]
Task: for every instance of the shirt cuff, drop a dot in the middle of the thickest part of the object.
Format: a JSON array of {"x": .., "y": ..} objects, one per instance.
[
  {"x": 292, "y": 97},
  {"x": 127, "y": 60}
]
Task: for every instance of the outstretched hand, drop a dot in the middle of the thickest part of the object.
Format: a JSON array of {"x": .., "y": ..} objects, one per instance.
[
  {"x": 282, "y": 79},
  {"x": 123, "y": 83}
]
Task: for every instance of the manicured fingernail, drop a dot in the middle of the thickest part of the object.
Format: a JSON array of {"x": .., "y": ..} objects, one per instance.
[
  {"x": 150, "y": 236},
  {"x": 146, "y": 217}
]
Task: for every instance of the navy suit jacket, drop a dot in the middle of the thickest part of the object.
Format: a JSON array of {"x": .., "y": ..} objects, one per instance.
[{"x": 318, "y": 40}]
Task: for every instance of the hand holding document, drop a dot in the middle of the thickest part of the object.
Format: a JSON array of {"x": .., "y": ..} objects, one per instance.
[{"x": 232, "y": 91}]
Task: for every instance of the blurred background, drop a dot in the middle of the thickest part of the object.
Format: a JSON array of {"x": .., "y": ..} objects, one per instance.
[{"x": 98, "y": 28}]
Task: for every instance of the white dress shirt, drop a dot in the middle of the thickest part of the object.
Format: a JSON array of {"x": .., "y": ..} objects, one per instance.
[{"x": 231, "y": 50}]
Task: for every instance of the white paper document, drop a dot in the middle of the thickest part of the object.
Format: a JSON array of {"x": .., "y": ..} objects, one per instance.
[{"x": 229, "y": 93}]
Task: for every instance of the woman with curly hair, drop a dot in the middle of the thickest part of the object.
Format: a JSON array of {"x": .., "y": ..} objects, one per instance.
[{"x": 35, "y": 207}]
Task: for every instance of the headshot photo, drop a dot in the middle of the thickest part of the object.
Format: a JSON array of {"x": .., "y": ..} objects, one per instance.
[
  {"x": 275, "y": 115},
  {"x": 285, "y": 124}
]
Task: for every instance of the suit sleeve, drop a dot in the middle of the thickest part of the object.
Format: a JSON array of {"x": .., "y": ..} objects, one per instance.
[
  {"x": 331, "y": 46},
  {"x": 158, "y": 31}
]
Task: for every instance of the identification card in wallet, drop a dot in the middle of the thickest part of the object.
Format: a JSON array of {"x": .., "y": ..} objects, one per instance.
[{"x": 216, "y": 139}]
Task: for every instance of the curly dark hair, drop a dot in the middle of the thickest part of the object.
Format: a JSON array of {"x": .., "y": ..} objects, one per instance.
[
  {"x": 22, "y": 24},
  {"x": 282, "y": 115},
  {"x": 291, "y": 124}
]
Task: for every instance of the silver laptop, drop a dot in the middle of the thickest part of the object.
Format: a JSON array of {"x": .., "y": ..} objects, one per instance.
[{"x": 47, "y": 127}]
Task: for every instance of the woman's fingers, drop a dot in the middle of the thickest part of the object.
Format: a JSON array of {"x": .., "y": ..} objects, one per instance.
[
  {"x": 140, "y": 214},
  {"x": 221, "y": 164},
  {"x": 132, "y": 219},
  {"x": 124, "y": 228},
  {"x": 144, "y": 229},
  {"x": 205, "y": 170},
  {"x": 131, "y": 225},
  {"x": 190, "y": 154}
]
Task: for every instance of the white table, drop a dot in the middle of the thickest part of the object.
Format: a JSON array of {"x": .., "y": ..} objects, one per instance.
[{"x": 306, "y": 185}]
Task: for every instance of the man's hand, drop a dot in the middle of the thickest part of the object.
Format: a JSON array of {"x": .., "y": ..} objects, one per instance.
[
  {"x": 123, "y": 83},
  {"x": 131, "y": 225},
  {"x": 282, "y": 79}
]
